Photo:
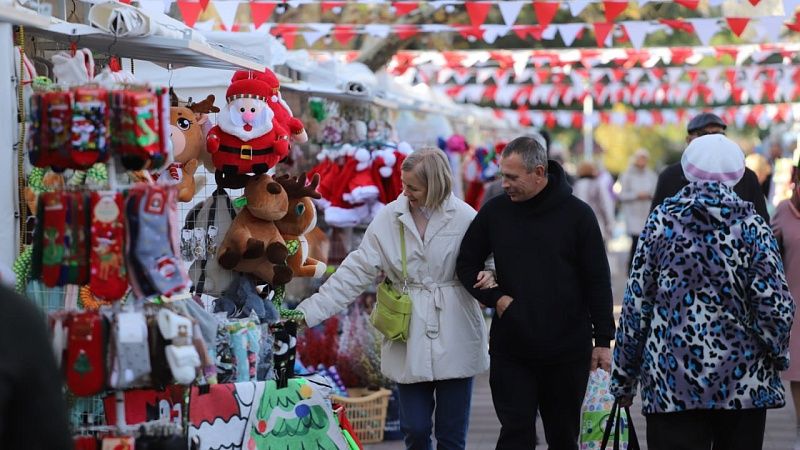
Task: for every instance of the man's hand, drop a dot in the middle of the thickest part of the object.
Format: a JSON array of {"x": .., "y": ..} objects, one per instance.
[
  {"x": 485, "y": 280},
  {"x": 601, "y": 357},
  {"x": 502, "y": 304}
]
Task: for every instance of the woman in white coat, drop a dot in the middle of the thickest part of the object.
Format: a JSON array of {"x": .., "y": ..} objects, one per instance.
[{"x": 447, "y": 343}]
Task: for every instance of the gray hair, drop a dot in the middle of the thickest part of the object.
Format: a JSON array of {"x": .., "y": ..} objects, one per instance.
[
  {"x": 432, "y": 167},
  {"x": 530, "y": 150}
]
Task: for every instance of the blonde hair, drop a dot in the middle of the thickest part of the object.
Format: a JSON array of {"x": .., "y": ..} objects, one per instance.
[{"x": 431, "y": 166}]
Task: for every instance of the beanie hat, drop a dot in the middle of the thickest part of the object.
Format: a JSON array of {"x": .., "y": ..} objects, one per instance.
[
  {"x": 713, "y": 157},
  {"x": 248, "y": 84}
]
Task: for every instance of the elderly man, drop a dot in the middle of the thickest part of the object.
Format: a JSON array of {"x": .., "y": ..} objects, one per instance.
[{"x": 672, "y": 179}]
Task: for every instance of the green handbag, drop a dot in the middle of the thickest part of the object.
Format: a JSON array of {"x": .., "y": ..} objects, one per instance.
[{"x": 392, "y": 312}]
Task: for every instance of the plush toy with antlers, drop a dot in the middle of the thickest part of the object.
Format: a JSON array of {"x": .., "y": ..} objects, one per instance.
[
  {"x": 253, "y": 243},
  {"x": 300, "y": 219},
  {"x": 188, "y": 143}
]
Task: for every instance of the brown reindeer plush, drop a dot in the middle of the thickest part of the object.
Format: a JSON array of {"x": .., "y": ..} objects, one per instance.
[
  {"x": 188, "y": 142},
  {"x": 300, "y": 219},
  {"x": 253, "y": 243}
]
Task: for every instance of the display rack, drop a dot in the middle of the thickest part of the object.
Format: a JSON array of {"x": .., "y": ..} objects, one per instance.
[
  {"x": 159, "y": 49},
  {"x": 9, "y": 13}
]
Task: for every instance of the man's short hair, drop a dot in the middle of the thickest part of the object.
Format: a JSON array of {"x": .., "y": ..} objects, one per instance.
[
  {"x": 530, "y": 150},
  {"x": 703, "y": 120}
]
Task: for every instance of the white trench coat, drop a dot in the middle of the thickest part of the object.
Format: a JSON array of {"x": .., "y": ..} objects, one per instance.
[{"x": 447, "y": 335}]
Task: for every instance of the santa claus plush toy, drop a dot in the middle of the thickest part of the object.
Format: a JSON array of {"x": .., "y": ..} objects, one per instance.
[{"x": 248, "y": 138}]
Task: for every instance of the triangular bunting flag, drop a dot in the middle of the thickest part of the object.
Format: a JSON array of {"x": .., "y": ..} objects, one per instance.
[
  {"x": 755, "y": 2},
  {"x": 433, "y": 28},
  {"x": 705, "y": 29},
  {"x": 789, "y": 6},
  {"x": 510, "y": 11},
  {"x": 577, "y": 6},
  {"x": 190, "y": 11},
  {"x": 406, "y": 31},
  {"x": 260, "y": 12},
  {"x": 569, "y": 31},
  {"x": 613, "y": 9},
  {"x": 204, "y": 3},
  {"x": 602, "y": 30},
  {"x": 737, "y": 24},
  {"x": 344, "y": 34},
  {"x": 156, "y": 6},
  {"x": 227, "y": 12},
  {"x": 549, "y": 32},
  {"x": 715, "y": 2},
  {"x": 336, "y": 7},
  {"x": 287, "y": 31},
  {"x": 545, "y": 11},
  {"x": 477, "y": 12},
  {"x": 436, "y": 4},
  {"x": 403, "y": 8},
  {"x": 637, "y": 32},
  {"x": 320, "y": 30},
  {"x": 691, "y": 4},
  {"x": 771, "y": 27},
  {"x": 492, "y": 32}
]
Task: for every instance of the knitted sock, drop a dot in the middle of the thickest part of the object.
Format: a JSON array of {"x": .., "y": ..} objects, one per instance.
[
  {"x": 89, "y": 127},
  {"x": 85, "y": 362},
  {"x": 108, "y": 275},
  {"x": 131, "y": 364},
  {"x": 56, "y": 136},
  {"x": 75, "y": 269},
  {"x": 54, "y": 218},
  {"x": 163, "y": 268},
  {"x": 136, "y": 273}
]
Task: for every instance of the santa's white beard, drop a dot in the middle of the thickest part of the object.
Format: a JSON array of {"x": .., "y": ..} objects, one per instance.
[{"x": 235, "y": 125}]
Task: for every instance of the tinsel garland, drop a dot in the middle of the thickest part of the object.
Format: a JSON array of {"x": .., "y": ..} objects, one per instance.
[{"x": 22, "y": 269}]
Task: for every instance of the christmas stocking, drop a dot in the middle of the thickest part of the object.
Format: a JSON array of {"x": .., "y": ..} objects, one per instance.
[
  {"x": 52, "y": 225},
  {"x": 75, "y": 269},
  {"x": 85, "y": 354},
  {"x": 108, "y": 276},
  {"x": 130, "y": 365},
  {"x": 89, "y": 127}
]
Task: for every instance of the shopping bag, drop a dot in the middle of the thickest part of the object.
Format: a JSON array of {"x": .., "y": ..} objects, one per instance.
[{"x": 596, "y": 415}]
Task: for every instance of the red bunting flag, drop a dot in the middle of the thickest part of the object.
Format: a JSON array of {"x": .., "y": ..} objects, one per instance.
[
  {"x": 691, "y": 4},
  {"x": 327, "y": 6},
  {"x": 613, "y": 9},
  {"x": 343, "y": 34},
  {"x": 545, "y": 12},
  {"x": 260, "y": 12},
  {"x": 477, "y": 12},
  {"x": 601, "y": 30},
  {"x": 469, "y": 31},
  {"x": 737, "y": 24},
  {"x": 190, "y": 11},
  {"x": 523, "y": 31},
  {"x": 403, "y": 8},
  {"x": 406, "y": 31},
  {"x": 287, "y": 31},
  {"x": 490, "y": 92},
  {"x": 204, "y": 3},
  {"x": 678, "y": 25},
  {"x": 755, "y": 2}
]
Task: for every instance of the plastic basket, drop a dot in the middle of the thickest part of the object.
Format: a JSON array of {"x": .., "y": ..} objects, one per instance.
[{"x": 366, "y": 411}]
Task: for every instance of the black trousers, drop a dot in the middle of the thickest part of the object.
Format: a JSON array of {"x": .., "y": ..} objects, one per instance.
[
  {"x": 520, "y": 388},
  {"x": 724, "y": 429}
]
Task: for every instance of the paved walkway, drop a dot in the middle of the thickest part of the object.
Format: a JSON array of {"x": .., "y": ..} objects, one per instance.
[{"x": 484, "y": 427}]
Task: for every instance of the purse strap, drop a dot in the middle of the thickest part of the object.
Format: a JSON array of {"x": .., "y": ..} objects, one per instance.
[{"x": 403, "y": 256}]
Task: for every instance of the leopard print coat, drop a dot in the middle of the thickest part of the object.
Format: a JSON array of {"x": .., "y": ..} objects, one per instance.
[{"x": 707, "y": 312}]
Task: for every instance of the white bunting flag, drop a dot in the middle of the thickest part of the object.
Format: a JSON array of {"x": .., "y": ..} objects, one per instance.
[
  {"x": 493, "y": 31},
  {"x": 319, "y": 30},
  {"x": 637, "y": 32},
  {"x": 227, "y": 12},
  {"x": 377, "y": 29},
  {"x": 577, "y": 6},
  {"x": 705, "y": 29},
  {"x": 569, "y": 31},
  {"x": 510, "y": 11}
]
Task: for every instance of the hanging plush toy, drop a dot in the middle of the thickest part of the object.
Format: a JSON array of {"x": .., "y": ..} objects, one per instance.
[
  {"x": 188, "y": 143},
  {"x": 300, "y": 219},
  {"x": 248, "y": 138}
]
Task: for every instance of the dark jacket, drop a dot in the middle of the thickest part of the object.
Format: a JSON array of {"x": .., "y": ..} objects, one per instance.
[
  {"x": 551, "y": 260},
  {"x": 672, "y": 180},
  {"x": 32, "y": 407}
]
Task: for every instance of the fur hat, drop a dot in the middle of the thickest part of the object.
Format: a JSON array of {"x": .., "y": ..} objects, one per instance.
[
  {"x": 713, "y": 157},
  {"x": 249, "y": 84}
]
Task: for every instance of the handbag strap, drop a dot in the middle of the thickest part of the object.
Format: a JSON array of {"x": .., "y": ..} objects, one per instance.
[
  {"x": 403, "y": 255},
  {"x": 614, "y": 420}
]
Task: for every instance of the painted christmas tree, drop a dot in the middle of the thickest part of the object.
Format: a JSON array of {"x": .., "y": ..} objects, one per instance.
[{"x": 295, "y": 417}]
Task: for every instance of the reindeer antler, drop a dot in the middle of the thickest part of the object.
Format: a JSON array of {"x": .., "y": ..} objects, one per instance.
[
  {"x": 173, "y": 98},
  {"x": 204, "y": 107},
  {"x": 296, "y": 187}
]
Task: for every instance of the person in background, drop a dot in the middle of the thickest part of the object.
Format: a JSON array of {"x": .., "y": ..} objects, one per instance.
[
  {"x": 592, "y": 190},
  {"x": 554, "y": 320},
  {"x": 637, "y": 186},
  {"x": 786, "y": 225},
  {"x": 447, "y": 343},
  {"x": 673, "y": 179},
  {"x": 33, "y": 413},
  {"x": 761, "y": 166},
  {"x": 706, "y": 313}
]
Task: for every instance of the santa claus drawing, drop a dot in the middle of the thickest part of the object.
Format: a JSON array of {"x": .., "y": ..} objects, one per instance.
[{"x": 248, "y": 138}]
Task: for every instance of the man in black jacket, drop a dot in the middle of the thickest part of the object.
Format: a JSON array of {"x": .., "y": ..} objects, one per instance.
[
  {"x": 553, "y": 297},
  {"x": 672, "y": 179}
]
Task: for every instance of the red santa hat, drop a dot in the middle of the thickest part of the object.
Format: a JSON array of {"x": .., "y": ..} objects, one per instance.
[{"x": 249, "y": 84}]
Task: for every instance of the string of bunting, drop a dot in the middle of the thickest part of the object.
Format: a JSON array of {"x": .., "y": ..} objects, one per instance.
[{"x": 761, "y": 115}]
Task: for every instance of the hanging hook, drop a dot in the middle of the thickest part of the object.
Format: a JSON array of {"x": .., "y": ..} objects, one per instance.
[{"x": 169, "y": 82}]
